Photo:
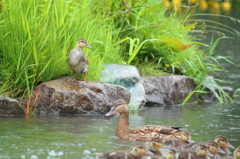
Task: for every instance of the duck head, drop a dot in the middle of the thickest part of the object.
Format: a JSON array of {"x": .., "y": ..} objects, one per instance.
[
  {"x": 171, "y": 154},
  {"x": 223, "y": 142},
  {"x": 83, "y": 43},
  {"x": 140, "y": 151},
  {"x": 119, "y": 106},
  {"x": 185, "y": 135},
  {"x": 156, "y": 143},
  {"x": 202, "y": 150},
  {"x": 213, "y": 148},
  {"x": 236, "y": 153}
]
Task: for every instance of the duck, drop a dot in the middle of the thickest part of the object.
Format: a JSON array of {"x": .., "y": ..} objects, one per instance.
[
  {"x": 171, "y": 154},
  {"x": 201, "y": 152},
  {"x": 77, "y": 60},
  {"x": 223, "y": 143},
  {"x": 174, "y": 142},
  {"x": 145, "y": 133},
  {"x": 236, "y": 154},
  {"x": 155, "y": 145},
  {"x": 137, "y": 152},
  {"x": 212, "y": 147}
]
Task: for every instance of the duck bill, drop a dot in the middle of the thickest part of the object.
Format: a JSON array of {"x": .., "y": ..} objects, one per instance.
[
  {"x": 209, "y": 154},
  {"x": 111, "y": 112},
  {"x": 189, "y": 139},
  {"x": 88, "y": 46},
  {"x": 220, "y": 150},
  {"x": 148, "y": 152},
  {"x": 230, "y": 146}
]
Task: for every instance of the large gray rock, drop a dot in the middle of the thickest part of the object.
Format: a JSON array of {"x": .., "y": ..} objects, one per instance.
[
  {"x": 64, "y": 96},
  {"x": 168, "y": 90},
  {"x": 10, "y": 106},
  {"x": 127, "y": 76}
]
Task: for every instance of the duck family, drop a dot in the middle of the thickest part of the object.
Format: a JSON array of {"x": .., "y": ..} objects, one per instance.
[{"x": 165, "y": 142}]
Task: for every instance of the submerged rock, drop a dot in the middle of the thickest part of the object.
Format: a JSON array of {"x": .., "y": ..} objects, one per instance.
[
  {"x": 127, "y": 76},
  {"x": 63, "y": 96},
  {"x": 10, "y": 106},
  {"x": 168, "y": 90}
]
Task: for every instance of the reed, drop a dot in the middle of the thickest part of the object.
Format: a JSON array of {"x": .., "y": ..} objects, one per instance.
[{"x": 37, "y": 36}]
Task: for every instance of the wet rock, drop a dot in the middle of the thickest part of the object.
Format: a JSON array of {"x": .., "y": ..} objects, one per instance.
[
  {"x": 168, "y": 90},
  {"x": 65, "y": 96},
  {"x": 127, "y": 76},
  {"x": 210, "y": 87},
  {"x": 10, "y": 106}
]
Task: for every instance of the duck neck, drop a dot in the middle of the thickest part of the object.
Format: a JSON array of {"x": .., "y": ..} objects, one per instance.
[{"x": 123, "y": 126}]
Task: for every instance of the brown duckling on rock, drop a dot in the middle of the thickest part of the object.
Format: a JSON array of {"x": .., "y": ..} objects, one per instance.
[
  {"x": 201, "y": 152},
  {"x": 137, "y": 152},
  {"x": 145, "y": 133},
  {"x": 236, "y": 154},
  {"x": 212, "y": 147},
  {"x": 77, "y": 59}
]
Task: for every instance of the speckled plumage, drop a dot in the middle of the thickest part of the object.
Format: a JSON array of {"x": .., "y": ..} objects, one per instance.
[{"x": 145, "y": 133}]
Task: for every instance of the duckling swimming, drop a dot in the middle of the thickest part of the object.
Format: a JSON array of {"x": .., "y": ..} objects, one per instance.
[
  {"x": 201, "y": 152},
  {"x": 223, "y": 144},
  {"x": 137, "y": 152},
  {"x": 77, "y": 59},
  {"x": 236, "y": 154},
  {"x": 171, "y": 154},
  {"x": 212, "y": 147}
]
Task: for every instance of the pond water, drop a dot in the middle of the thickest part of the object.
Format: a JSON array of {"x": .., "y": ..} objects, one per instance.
[{"x": 86, "y": 136}]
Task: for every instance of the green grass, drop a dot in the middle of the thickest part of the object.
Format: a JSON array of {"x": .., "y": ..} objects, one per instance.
[{"x": 37, "y": 36}]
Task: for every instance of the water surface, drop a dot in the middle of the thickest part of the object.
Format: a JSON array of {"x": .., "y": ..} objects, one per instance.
[{"x": 85, "y": 136}]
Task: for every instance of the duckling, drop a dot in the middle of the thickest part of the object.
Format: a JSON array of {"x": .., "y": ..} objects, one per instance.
[
  {"x": 145, "y": 133},
  {"x": 223, "y": 144},
  {"x": 212, "y": 147},
  {"x": 77, "y": 59},
  {"x": 171, "y": 154},
  {"x": 174, "y": 142},
  {"x": 137, "y": 152},
  {"x": 201, "y": 152},
  {"x": 236, "y": 154},
  {"x": 155, "y": 146}
]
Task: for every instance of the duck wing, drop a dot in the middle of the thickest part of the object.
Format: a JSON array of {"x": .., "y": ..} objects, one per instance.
[
  {"x": 146, "y": 133},
  {"x": 164, "y": 130}
]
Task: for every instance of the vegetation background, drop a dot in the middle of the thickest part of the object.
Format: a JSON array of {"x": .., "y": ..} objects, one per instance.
[{"x": 157, "y": 37}]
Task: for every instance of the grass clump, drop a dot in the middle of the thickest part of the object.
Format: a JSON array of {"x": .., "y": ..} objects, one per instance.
[{"x": 37, "y": 36}]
